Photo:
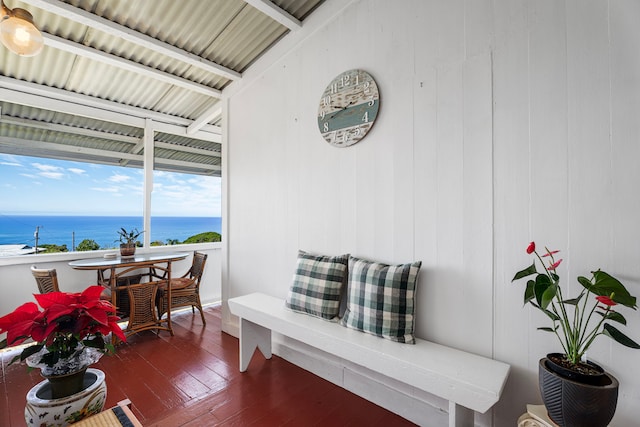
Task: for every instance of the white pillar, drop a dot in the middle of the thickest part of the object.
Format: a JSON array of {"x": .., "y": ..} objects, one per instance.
[{"x": 148, "y": 180}]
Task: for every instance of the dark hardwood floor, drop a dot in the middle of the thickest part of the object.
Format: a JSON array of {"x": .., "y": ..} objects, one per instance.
[{"x": 192, "y": 379}]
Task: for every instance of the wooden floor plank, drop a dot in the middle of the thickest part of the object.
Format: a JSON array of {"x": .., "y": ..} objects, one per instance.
[{"x": 192, "y": 379}]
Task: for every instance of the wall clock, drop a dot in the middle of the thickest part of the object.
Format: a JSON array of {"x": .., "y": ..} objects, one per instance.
[{"x": 348, "y": 108}]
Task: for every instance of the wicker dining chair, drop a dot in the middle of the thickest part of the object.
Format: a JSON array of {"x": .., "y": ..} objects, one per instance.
[
  {"x": 142, "y": 308},
  {"x": 46, "y": 278},
  {"x": 185, "y": 290}
]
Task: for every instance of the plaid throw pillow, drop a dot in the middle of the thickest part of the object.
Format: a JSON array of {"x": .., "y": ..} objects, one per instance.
[
  {"x": 380, "y": 299},
  {"x": 317, "y": 284}
]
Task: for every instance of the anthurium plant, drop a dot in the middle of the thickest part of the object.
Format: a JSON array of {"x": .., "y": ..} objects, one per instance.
[
  {"x": 573, "y": 320},
  {"x": 67, "y": 324}
]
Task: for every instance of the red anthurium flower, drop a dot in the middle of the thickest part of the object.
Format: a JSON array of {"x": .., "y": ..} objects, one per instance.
[
  {"x": 531, "y": 248},
  {"x": 550, "y": 253},
  {"x": 555, "y": 265},
  {"x": 606, "y": 300}
]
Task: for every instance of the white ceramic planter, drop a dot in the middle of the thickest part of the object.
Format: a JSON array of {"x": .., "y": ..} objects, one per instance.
[{"x": 42, "y": 410}]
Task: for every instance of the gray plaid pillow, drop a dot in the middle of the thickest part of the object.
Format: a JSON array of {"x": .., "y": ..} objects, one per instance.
[
  {"x": 380, "y": 299},
  {"x": 317, "y": 284}
]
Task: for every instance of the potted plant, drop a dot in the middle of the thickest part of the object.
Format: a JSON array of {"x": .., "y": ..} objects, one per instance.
[
  {"x": 128, "y": 241},
  {"x": 569, "y": 384},
  {"x": 69, "y": 334}
]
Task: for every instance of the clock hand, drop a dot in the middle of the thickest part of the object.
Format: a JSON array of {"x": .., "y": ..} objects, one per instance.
[{"x": 341, "y": 109}]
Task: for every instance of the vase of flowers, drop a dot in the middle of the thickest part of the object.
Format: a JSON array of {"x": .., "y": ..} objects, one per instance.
[
  {"x": 128, "y": 241},
  {"x": 576, "y": 392},
  {"x": 69, "y": 334}
]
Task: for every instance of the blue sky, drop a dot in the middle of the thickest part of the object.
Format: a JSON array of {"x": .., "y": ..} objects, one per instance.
[{"x": 37, "y": 186}]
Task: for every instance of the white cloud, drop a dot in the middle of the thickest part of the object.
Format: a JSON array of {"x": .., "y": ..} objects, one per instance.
[
  {"x": 52, "y": 175},
  {"x": 76, "y": 171},
  {"x": 119, "y": 178},
  {"x": 113, "y": 190},
  {"x": 11, "y": 160},
  {"x": 46, "y": 168},
  {"x": 10, "y": 164}
]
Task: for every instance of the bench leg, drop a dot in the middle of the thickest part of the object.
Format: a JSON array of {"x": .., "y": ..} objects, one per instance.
[
  {"x": 253, "y": 336},
  {"x": 459, "y": 416}
]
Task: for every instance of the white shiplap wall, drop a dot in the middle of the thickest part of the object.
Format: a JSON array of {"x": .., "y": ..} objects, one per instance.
[{"x": 501, "y": 122}]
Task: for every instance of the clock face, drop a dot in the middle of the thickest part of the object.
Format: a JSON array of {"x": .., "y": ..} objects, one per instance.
[{"x": 348, "y": 108}]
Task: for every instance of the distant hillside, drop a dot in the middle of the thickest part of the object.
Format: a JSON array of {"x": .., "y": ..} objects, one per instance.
[{"x": 209, "y": 236}]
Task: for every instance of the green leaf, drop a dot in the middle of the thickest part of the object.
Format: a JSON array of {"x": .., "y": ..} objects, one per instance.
[
  {"x": 529, "y": 293},
  {"x": 585, "y": 282},
  {"x": 548, "y": 329},
  {"x": 15, "y": 359},
  {"x": 615, "y": 316},
  {"x": 574, "y": 301},
  {"x": 110, "y": 348},
  {"x": 526, "y": 272},
  {"x": 549, "y": 313},
  {"x": 619, "y": 336},
  {"x": 28, "y": 351},
  {"x": 548, "y": 295},
  {"x": 96, "y": 342},
  {"x": 605, "y": 285},
  {"x": 542, "y": 283}
]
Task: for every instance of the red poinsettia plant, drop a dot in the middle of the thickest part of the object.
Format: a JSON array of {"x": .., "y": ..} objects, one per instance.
[
  {"x": 573, "y": 319},
  {"x": 67, "y": 325}
]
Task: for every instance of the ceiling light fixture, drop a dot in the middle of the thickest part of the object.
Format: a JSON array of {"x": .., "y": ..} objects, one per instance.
[{"x": 18, "y": 32}]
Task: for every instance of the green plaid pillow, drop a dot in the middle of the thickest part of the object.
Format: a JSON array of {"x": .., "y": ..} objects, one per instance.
[
  {"x": 317, "y": 284},
  {"x": 380, "y": 299}
]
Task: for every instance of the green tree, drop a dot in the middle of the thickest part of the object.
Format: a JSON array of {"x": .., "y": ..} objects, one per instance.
[
  {"x": 49, "y": 248},
  {"x": 209, "y": 236},
  {"x": 87, "y": 245}
]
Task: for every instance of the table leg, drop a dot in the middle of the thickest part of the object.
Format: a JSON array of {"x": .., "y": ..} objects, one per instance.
[
  {"x": 114, "y": 296},
  {"x": 169, "y": 298}
]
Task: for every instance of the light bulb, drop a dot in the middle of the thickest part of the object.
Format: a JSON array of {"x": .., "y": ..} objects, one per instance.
[{"x": 20, "y": 35}]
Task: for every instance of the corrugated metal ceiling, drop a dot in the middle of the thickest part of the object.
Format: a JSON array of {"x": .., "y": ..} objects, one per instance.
[{"x": 181, "y": 44}]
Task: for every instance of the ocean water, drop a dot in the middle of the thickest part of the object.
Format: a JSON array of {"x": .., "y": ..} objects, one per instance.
[{"x": 60, "y": 230}]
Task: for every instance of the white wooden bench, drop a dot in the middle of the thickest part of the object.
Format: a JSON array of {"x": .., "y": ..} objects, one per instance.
[{"x": 468, "y": 381}]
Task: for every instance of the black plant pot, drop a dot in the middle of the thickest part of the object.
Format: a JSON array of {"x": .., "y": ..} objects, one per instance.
[
  {"x": 571, "y": 403},
  {"x": 595, "y": 375}
]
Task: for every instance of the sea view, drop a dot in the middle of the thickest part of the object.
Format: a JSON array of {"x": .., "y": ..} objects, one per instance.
[{"x": 60, "y": 230}]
